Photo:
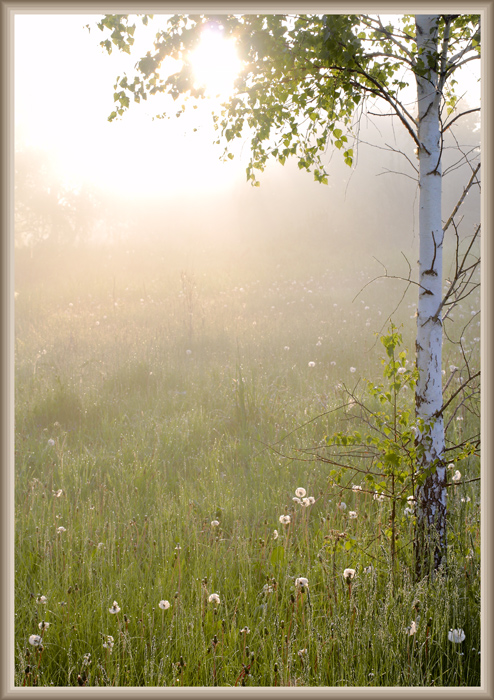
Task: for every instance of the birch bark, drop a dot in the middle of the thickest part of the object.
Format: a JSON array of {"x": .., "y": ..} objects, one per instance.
[{"x": 430, "y": 541}]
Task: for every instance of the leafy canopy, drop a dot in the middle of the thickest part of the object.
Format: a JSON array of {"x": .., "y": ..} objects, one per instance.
[{"x": 304, "y": 77}]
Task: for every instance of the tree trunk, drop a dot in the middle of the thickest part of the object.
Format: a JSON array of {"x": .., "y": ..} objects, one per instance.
[{"x": 430, "y": 536}]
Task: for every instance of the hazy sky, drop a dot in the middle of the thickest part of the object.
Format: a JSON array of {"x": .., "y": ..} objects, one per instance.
[{"x": 64, "y": 94}]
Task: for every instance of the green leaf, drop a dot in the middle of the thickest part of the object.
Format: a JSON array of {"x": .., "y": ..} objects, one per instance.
[{"x": 278, "y": 555}]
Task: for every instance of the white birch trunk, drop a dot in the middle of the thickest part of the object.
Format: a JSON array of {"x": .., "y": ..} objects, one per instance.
[{"x": 431, "y": 507}]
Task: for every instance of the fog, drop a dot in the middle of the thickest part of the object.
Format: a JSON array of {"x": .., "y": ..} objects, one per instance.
[{"x": 83, "y": 181}]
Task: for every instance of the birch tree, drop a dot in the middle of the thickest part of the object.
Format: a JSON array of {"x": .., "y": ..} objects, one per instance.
[{"x": 305, "y": 82}]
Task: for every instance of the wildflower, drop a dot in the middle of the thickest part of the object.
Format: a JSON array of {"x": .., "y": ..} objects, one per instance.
[
  {"x": 412, "y": 629},
  {"x": 43, "y": 625},
  {"x": 164, "y": 604},
  {"x": 451, "y": 465},
  {"x": 352, "y": 514},
  {"x": 312, "y": 364},
  {"x": 401, "y": 370},
  {"x": 51, "y": 442},
  {"x": 275, "y": 535},
  {"x": 296, "y": 500},
  {"x": 310, "y": 500},
  {"x": 114, "y": 608},
  {"x": 300, "y": 492},
  {"x": 58, "y": 493},
  {"x": 379, "y": 497},
  {"x": 108, "y": 644},
  {"x": 342, "y": 505},
  {"x": 368, "y": 569},
  {"x": 353, "y": 369},
  {"x": 456, "y": 476},
  {"x": 301, "y": 582},
  {"x": 35, "y": 640},
  {"x": 456, "y": 636},
  {"x": 178, "y": 547},
  {"x": 214, "y": 598},
  {"x": 215, "y": 523},
  {"x": 356, "y": 488},
  {"x": 349, "y": 574},
  {"x": 245, "y": 630},
  {"x": 285, "y": 519},
  {"x": 42, "y": 599},
  {"x": 61, "y": 529}
]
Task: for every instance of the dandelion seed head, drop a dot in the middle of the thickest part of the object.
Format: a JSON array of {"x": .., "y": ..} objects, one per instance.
[
  {"x": 456, "y": 636},
  {"x": 300, "y": 492},
  {"x": 164, "y": 604},
  {"x": 35, "y": 640},
  {"x": 349, "y": 574},
  {"x": 114, "y": 608},
  {"x": 214, "y": 598}
]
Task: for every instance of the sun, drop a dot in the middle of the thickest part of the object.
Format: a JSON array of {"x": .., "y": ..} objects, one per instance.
[{"x": 215, "y": 63}]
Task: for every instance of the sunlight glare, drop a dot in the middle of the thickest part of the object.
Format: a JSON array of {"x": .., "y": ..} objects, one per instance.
[{"x": 215, "y": 63}]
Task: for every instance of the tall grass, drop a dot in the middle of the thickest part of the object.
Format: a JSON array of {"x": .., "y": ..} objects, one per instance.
[{"x": 158, "y": 395}]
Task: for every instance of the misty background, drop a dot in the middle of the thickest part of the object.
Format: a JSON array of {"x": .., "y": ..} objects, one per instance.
[{"x": 81, "y": 182}]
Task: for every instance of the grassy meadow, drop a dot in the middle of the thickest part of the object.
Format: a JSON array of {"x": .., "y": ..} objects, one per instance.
[{"x": 170, "y": 401}]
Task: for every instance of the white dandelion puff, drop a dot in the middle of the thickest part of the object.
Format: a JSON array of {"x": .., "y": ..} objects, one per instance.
[{"x": 456, "y": 636}]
